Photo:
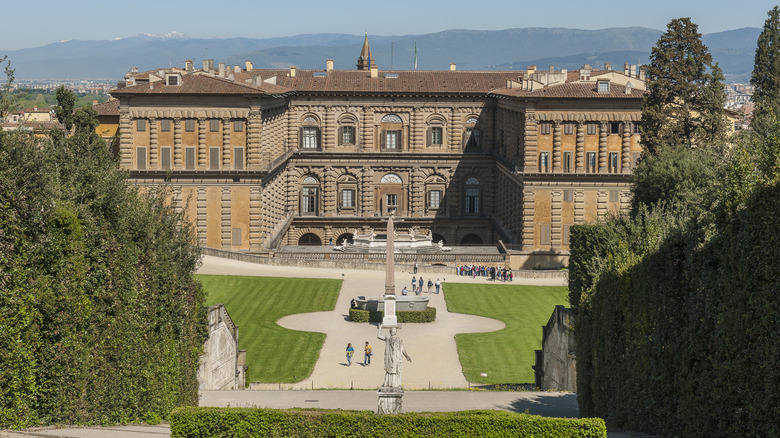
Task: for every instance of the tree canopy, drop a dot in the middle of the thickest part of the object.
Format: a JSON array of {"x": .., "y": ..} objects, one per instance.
[
  {"x": 685, "y": 99},
  {"x": 766, "y": 72}
]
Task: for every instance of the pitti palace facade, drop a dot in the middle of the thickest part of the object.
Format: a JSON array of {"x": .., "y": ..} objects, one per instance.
[{"x": 262, "y": 158}]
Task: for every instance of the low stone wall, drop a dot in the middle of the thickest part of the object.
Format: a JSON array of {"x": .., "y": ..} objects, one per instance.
[{"x": 318, "y": 260}]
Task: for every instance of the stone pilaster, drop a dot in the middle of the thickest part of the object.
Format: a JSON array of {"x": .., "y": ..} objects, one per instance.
[
  {"x": 254, "y": 132},
  {"x": 226, "y": 228},
  {"x": 177, "y": 160},
  {"x": 200, "y": 222},
  {"x": 329, "y": 192},
  {"x": 625, "y": 152},
  {"x": 602, "y": 206},
  {"x": 329, "y": 130},
  {"x": 226, "y": 144},
  {"x": 579, "y": 207},
  {"x": 531, "y": 136},
  {"x": 153, "y": 161},
  {"x": 528, "y": 220},
  {"x": 125, "y": 136},
  {"x": 202, "y": 150},
  {"x": 602, "y": 159},
  {"x": 579, "y": 162},
  {"x": 556, "y": 154},
  {"x": 555, "y": 227},
  {"x": 367, "y": 191}
]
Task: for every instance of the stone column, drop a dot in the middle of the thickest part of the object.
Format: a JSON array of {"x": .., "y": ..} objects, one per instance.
[
  {"x": 580, "y": 148},
  {"x": 177, "y": 164},
  {"x": 625, "y": 152},
  {"x": 226, "y": 143},
  {"x": 531, "y": 130},
  {"x": 556, "y": 154},
  {"x": 603, "y": 126}
]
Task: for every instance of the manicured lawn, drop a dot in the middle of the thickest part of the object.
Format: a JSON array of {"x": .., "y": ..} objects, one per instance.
[
  {"x": 507, "y": 355},
  {"x": 274, "y": 354}
]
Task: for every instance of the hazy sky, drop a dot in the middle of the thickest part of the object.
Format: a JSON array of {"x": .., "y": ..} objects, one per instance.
[{"x": 46, "y": 21}]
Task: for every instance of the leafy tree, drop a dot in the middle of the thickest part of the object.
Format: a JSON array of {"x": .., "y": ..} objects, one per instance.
[
  {"x": 685, "y": 97},
  {"x": 766, "y": 72},
  {"x": 8, "y": 99},
  {"x": 66, "y": 100}
]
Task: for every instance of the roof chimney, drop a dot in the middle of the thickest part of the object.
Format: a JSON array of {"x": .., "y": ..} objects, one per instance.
[
  {"x": 208, "y": 65},
  {"x": 452, "y": 66},
  {"x": 292, "y": 71},
  {"x": 642, "y": 71},
  {"x": 236, "y": 69},
  {"x": 329, "y": 65},
  {"x": 374, "y": 71},
  {"x": 629, "y": 87},
  {"x": 632, "y": 70},
  {"x": 248, "y": 65},
  {"x": 552, "y": 69},
  {"x": 231, "y": 75},
  {"x": 608, "y": 66},
  {"x": 625, "y": 69},
  {"x": 222, "y": 69},
  {"x": 188, "y": 65}
]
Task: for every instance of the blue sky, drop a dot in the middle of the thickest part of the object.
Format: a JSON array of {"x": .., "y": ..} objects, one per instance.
[{"x": 39, "y": 23}]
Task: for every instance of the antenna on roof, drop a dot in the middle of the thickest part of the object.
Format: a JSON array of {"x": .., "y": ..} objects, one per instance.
[{"x": 391, "y": 56}]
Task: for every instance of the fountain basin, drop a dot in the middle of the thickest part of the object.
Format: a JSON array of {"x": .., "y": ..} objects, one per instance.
[{"x": 402, "y": 303}]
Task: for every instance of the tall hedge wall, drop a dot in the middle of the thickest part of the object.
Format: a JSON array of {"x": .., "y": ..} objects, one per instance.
[
  {"x": 100, "y": 318},
  {"x": 678, "y": 321}
]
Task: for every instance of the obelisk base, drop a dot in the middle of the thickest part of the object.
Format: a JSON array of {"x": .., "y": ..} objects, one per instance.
[
  {"x": 390, "y": 319},
  {"x": 389, "y": 400}
]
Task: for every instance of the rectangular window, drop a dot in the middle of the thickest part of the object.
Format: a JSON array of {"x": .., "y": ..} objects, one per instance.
[
  {"x": 567, "y": 162},
  {"x": 436, "y": 135},
  {"x": 635, "y": 128},
  {"x": 238, "y": 125},
  {"x": 140, "y": 157},
  {"x": 236, "y": 236},
  {"x": 545, "y": 128},
  {"x": 565, "y": 231},
  {"x": 309, "y": 201},
  {"x": 140, "y": 125},
  {"x": 544, "y": 161},
  {"x": 591, "y": 162},
  {"x": 614, "y": 196},
  {"x": 544, "y": 234},
  {"x": 593, "y": 129},
  {"x": 189, "y": 125},
  {"x": 472, "y": 138},
  {"x": 613, "y": 162},
  {"x": 615, "y": 128},
  {"x": 392, "y": 140},
  {"x": 214, "y": 159},
  {"x": 165, "y": 157},
  {"x": 391, "y": 200},
  {"x": 309, "y": 136},
  {"x": 347, "y": 135},
  {"x": 238, "y": 158},
  {"x": 472, "y": 200},
  {"x": 189, "y": 158},
  {"x": 214, "y": 125},
  {"x": 165, "y": 125},
  {"x": 603, "y": 87},
  {"x": 568, "y": 195},
  {"x": 568, "y": 128},
  {"x": 348, "y": 198},
  {"x": 435, "y": 198}
]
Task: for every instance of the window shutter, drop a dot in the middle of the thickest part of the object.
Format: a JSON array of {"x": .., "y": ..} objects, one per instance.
[
  {"x": 214, "y": 158},
  {"x": 341, "y": 135},
  {"x": 238, "y": 159},
  {"x": 300, "y": 139},
  {"x": 165, "y": 157},
  {"x": 189, "y": 158},
  {"x": 319, "y": 139},
  {"x": 384, "y": 139},
  {"x": 430, "y": 136},
  {"x": 140, "y": 153}
]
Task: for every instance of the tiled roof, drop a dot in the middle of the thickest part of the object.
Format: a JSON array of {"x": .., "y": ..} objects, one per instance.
[
  {"x": 199, "y": 84},
  {"x": 391, "y": 81},
  {"x": 573, "y": 90},
  {"x": 110, "y": 108}
]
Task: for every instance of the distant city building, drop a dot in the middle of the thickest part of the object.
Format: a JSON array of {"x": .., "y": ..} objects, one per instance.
[{"x": 259, "y": 158}]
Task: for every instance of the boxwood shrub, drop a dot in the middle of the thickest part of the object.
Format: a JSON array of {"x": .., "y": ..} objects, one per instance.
[
  {"x": 427, "y": 315},
  {"x": 196, "y": 422}
]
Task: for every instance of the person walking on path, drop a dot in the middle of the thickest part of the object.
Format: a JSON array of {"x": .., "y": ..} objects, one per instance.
[
  {"x": 350, "y": 353},
  {"x": 367, "y": 351},
  {"x": 430, "y": 286},
  {"x": 415, "y": 267},
  {"x": 438, "y": 285},
  {"x": 414, "y": 284},
  {"x": 420, "y": 284}
]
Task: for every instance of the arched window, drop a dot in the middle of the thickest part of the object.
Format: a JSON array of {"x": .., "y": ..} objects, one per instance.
[
  {"x": 347, "y": 189},
  {"x": 347, "y": 134},
  {"x": 435, "y": 131},
  {"x": 391, "y": 178},
  {"x": 392, "y": 128},
  {"x": 472, "y": 196},
  {"x": 434, "y": 188},
  {"x": 471, "y": 134},
  {"x": 310, "y": 134},
  {"x": 310, "y": 196}
]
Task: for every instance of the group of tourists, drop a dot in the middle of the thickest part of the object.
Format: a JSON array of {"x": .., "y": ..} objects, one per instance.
[
  {"x": 367, "y": 352},
  {"x": 418, "y": 284},
  {"x": 492, "y": 272}
]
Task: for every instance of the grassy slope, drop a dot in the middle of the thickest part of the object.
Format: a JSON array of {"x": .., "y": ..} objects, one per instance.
[
  {"x": 506, "y": 356},
  {"x": 274, "y": 354}
]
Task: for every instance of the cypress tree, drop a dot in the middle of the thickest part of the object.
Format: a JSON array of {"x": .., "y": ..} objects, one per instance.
[
  {"x": 766, "y": 70},
  {"x": 684, "y": 104}
]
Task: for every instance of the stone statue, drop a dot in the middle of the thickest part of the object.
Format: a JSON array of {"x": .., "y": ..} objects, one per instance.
[{"x": 394, "y": 349}]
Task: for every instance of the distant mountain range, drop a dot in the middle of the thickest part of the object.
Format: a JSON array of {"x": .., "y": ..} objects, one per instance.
[{"x": 513, "y": 49}]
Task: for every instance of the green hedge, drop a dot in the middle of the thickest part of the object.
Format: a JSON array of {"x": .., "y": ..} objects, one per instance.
[
  {"x": 427, "y": 315},
  {"x": 193, "y": 422}
]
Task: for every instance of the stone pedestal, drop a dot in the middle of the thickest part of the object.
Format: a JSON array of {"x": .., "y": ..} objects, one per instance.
[
  {"x": 390, "y": 319},
  {"x": 389, "y": 400}
]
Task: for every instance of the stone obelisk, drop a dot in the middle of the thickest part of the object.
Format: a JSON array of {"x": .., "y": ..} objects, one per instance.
[{"x": 390, "y": 319}]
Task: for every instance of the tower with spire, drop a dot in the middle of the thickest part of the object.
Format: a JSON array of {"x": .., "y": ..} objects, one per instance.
[{"x": 365, "y": 60}]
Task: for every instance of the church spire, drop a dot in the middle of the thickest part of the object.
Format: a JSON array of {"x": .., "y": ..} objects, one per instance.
[{"x": 365, "y": 61}]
